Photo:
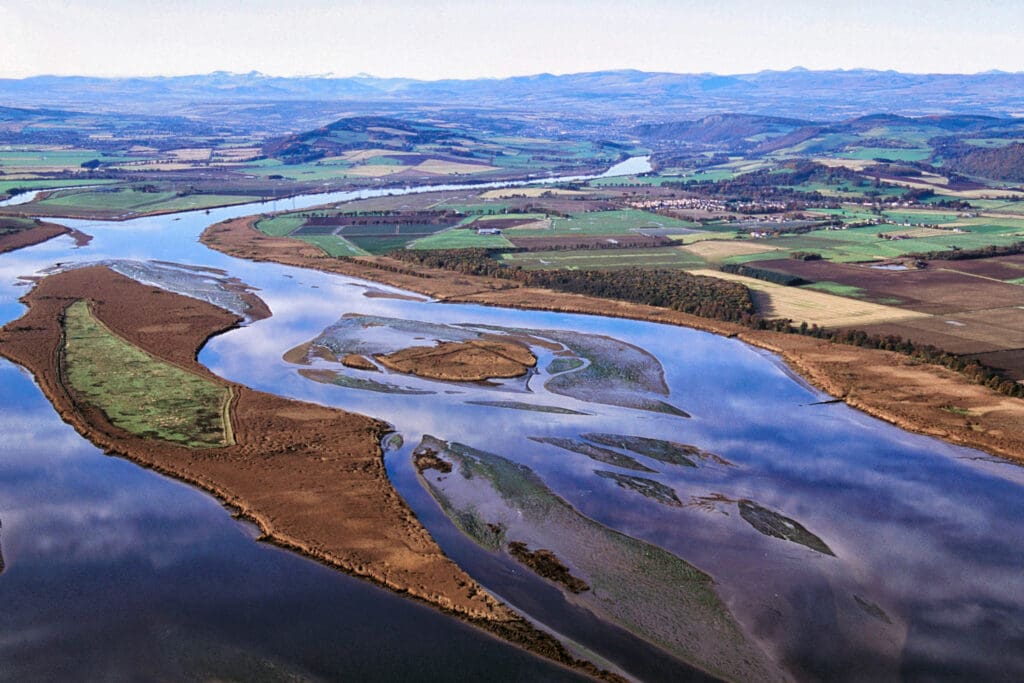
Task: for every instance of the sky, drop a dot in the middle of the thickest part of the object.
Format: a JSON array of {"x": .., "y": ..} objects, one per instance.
[{"x": 499, "y": 38}]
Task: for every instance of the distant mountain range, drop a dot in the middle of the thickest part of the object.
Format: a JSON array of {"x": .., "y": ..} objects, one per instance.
[{"x": 625, "y": 94}]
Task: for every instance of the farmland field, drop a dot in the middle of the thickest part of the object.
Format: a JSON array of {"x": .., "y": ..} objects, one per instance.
[
  {"x": 938, "y": 289},
  {"x": 124, "y": 201},
  {"x": 813, "y": 307},
  {"x": 460, "y": 238},
  {"x": 333, "y": 245},
  {"x": 887, "y": 153},
  {"x": 280, "y": 225},
  {"x": 588, "y": 259},
  {"x": 719, "y": 250},
  {"x": 613, "y": 222}
]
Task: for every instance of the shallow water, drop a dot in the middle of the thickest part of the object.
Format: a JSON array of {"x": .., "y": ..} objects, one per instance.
[{"x": 925, "y": 580}]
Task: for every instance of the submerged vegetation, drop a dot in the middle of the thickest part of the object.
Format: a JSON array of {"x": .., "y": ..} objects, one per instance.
[
  {"x": 638, "y": 586},
  {"x": 771, "y": 523}
]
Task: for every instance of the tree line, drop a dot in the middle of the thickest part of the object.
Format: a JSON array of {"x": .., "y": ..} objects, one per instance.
[{"x": 705, "y": 297}]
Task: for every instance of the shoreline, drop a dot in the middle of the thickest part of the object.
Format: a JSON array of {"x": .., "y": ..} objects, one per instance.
[
  {"x": 914, "y": 396},
  {"x": 302, "y": 473},
  {"x": 39, "y": 233}
]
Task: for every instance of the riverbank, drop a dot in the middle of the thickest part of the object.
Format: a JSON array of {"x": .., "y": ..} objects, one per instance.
[
  {"x": 37, "y": 234},
  {"x": 312, "y": 478},
  {"x": 914, "y": 396}
]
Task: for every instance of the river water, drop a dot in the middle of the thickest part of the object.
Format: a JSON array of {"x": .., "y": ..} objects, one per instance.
[{"x": 922, "y": 579}]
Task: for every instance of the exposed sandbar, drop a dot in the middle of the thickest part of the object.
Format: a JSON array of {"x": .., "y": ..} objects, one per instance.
[{"x": 469, "y": 361}]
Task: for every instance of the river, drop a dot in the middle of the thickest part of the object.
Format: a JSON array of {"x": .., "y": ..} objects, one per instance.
[{"x": 922, "y": 578}]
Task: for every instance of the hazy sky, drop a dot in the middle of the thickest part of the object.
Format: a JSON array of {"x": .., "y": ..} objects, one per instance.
[{"x": 473, "y": 38}]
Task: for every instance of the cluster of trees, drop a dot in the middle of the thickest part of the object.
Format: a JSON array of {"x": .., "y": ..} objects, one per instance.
[
  {"x": 774, "y": 276},
  {"x": 926, "y": 353},
  {"x": 805, "y": 255},
  {"x": 956, "y": 254},
  {"x": 998, "y": 163},
  {"x": 703, "y": 296},
  {"x": 697, "y": 295}
]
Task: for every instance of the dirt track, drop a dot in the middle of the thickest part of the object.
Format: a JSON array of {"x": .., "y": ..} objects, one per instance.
[
  {"x": 311, "y": 477},
  {"x": 918, "y": 397}
]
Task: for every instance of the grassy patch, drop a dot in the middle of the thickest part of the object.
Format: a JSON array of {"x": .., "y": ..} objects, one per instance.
[
  {"x": 886, "y": 153},
  {"x": 612, "y": 223},
  {"x": 610, "y": 259},
  {"x": 124, "y": 200},
  {"x": 837, "y": 288},
  {"x": 460, "y": 239},
  {"x": 333, "y": 245},
  {"x": 141, "y": 394},
  {"x": 279, "y": 226}
]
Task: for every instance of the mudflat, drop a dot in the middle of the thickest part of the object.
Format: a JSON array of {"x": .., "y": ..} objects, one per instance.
[
  {"x": 915, "y": 396},
  {"x": 311, "y": 477}
]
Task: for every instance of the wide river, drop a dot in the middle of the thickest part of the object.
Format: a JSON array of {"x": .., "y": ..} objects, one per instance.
[{"x": 114, "y": 572}]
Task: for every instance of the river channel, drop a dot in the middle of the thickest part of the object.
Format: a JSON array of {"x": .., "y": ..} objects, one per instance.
[{"x": 840, "y": 546}]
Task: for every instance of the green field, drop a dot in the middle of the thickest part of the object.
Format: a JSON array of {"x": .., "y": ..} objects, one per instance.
[
  {"x": 333, "y": 245},
  {"x": 44, "y": 184},
  {"x": 633, "y": 180},
  {"x": 863, "y": 244},
  {"x": 836, "y": 288},
  {"x": 605, "y": 259},
  {"x": 516, "y": 216},
  {"x": 896, "y": 154},
  {"x": 607, "y": 223},
  {"x": 38, "y": 158},
  {"x": 121, "y": 200},
  {"x": 280, "y": 225},
  {"x": 129, "y": 201},
  {"x": 139, "y": 393},
  {"x": 915, "y": 217},
  {"x": 460, "y": 238}
]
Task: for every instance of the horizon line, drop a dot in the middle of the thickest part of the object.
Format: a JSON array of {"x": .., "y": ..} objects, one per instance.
[{"x": 368, "y": 76}]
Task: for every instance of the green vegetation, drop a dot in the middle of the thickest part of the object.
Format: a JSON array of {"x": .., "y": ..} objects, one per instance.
[
  {"x": 704, "y": 296},
  {"x": 669, "y": 452},
  {"x": 836, "y": 288},
  {"x": 333, "y": 245},
  {"x": 12, "y": 224},
  {"x": 139, "y": 393},
  {"x": 648, "y": 488},
  {"x": 771, "y": 523},
  {"x": 41, "y": 184},
  {"x": 886, "y": 153},
  {"x": 612, "y": 259},
  {"x": 602, "y": 455},
  {"x": 280, "y": 224},
  {"x": 639, "y": 586},
  {"x": 617, "y": 222},
  {"x": 460, "y": 238},
  {"x": 117, "y": 202}
]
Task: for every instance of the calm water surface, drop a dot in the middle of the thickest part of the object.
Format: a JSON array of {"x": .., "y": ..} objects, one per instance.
[{"x": 925, "y": 582}]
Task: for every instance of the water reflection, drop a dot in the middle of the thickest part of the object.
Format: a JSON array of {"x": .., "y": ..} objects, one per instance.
[
  {"x": 910, "y": 522},
  {"x": 925, "y": 580},
  {"x": 113, "y": 572}
]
